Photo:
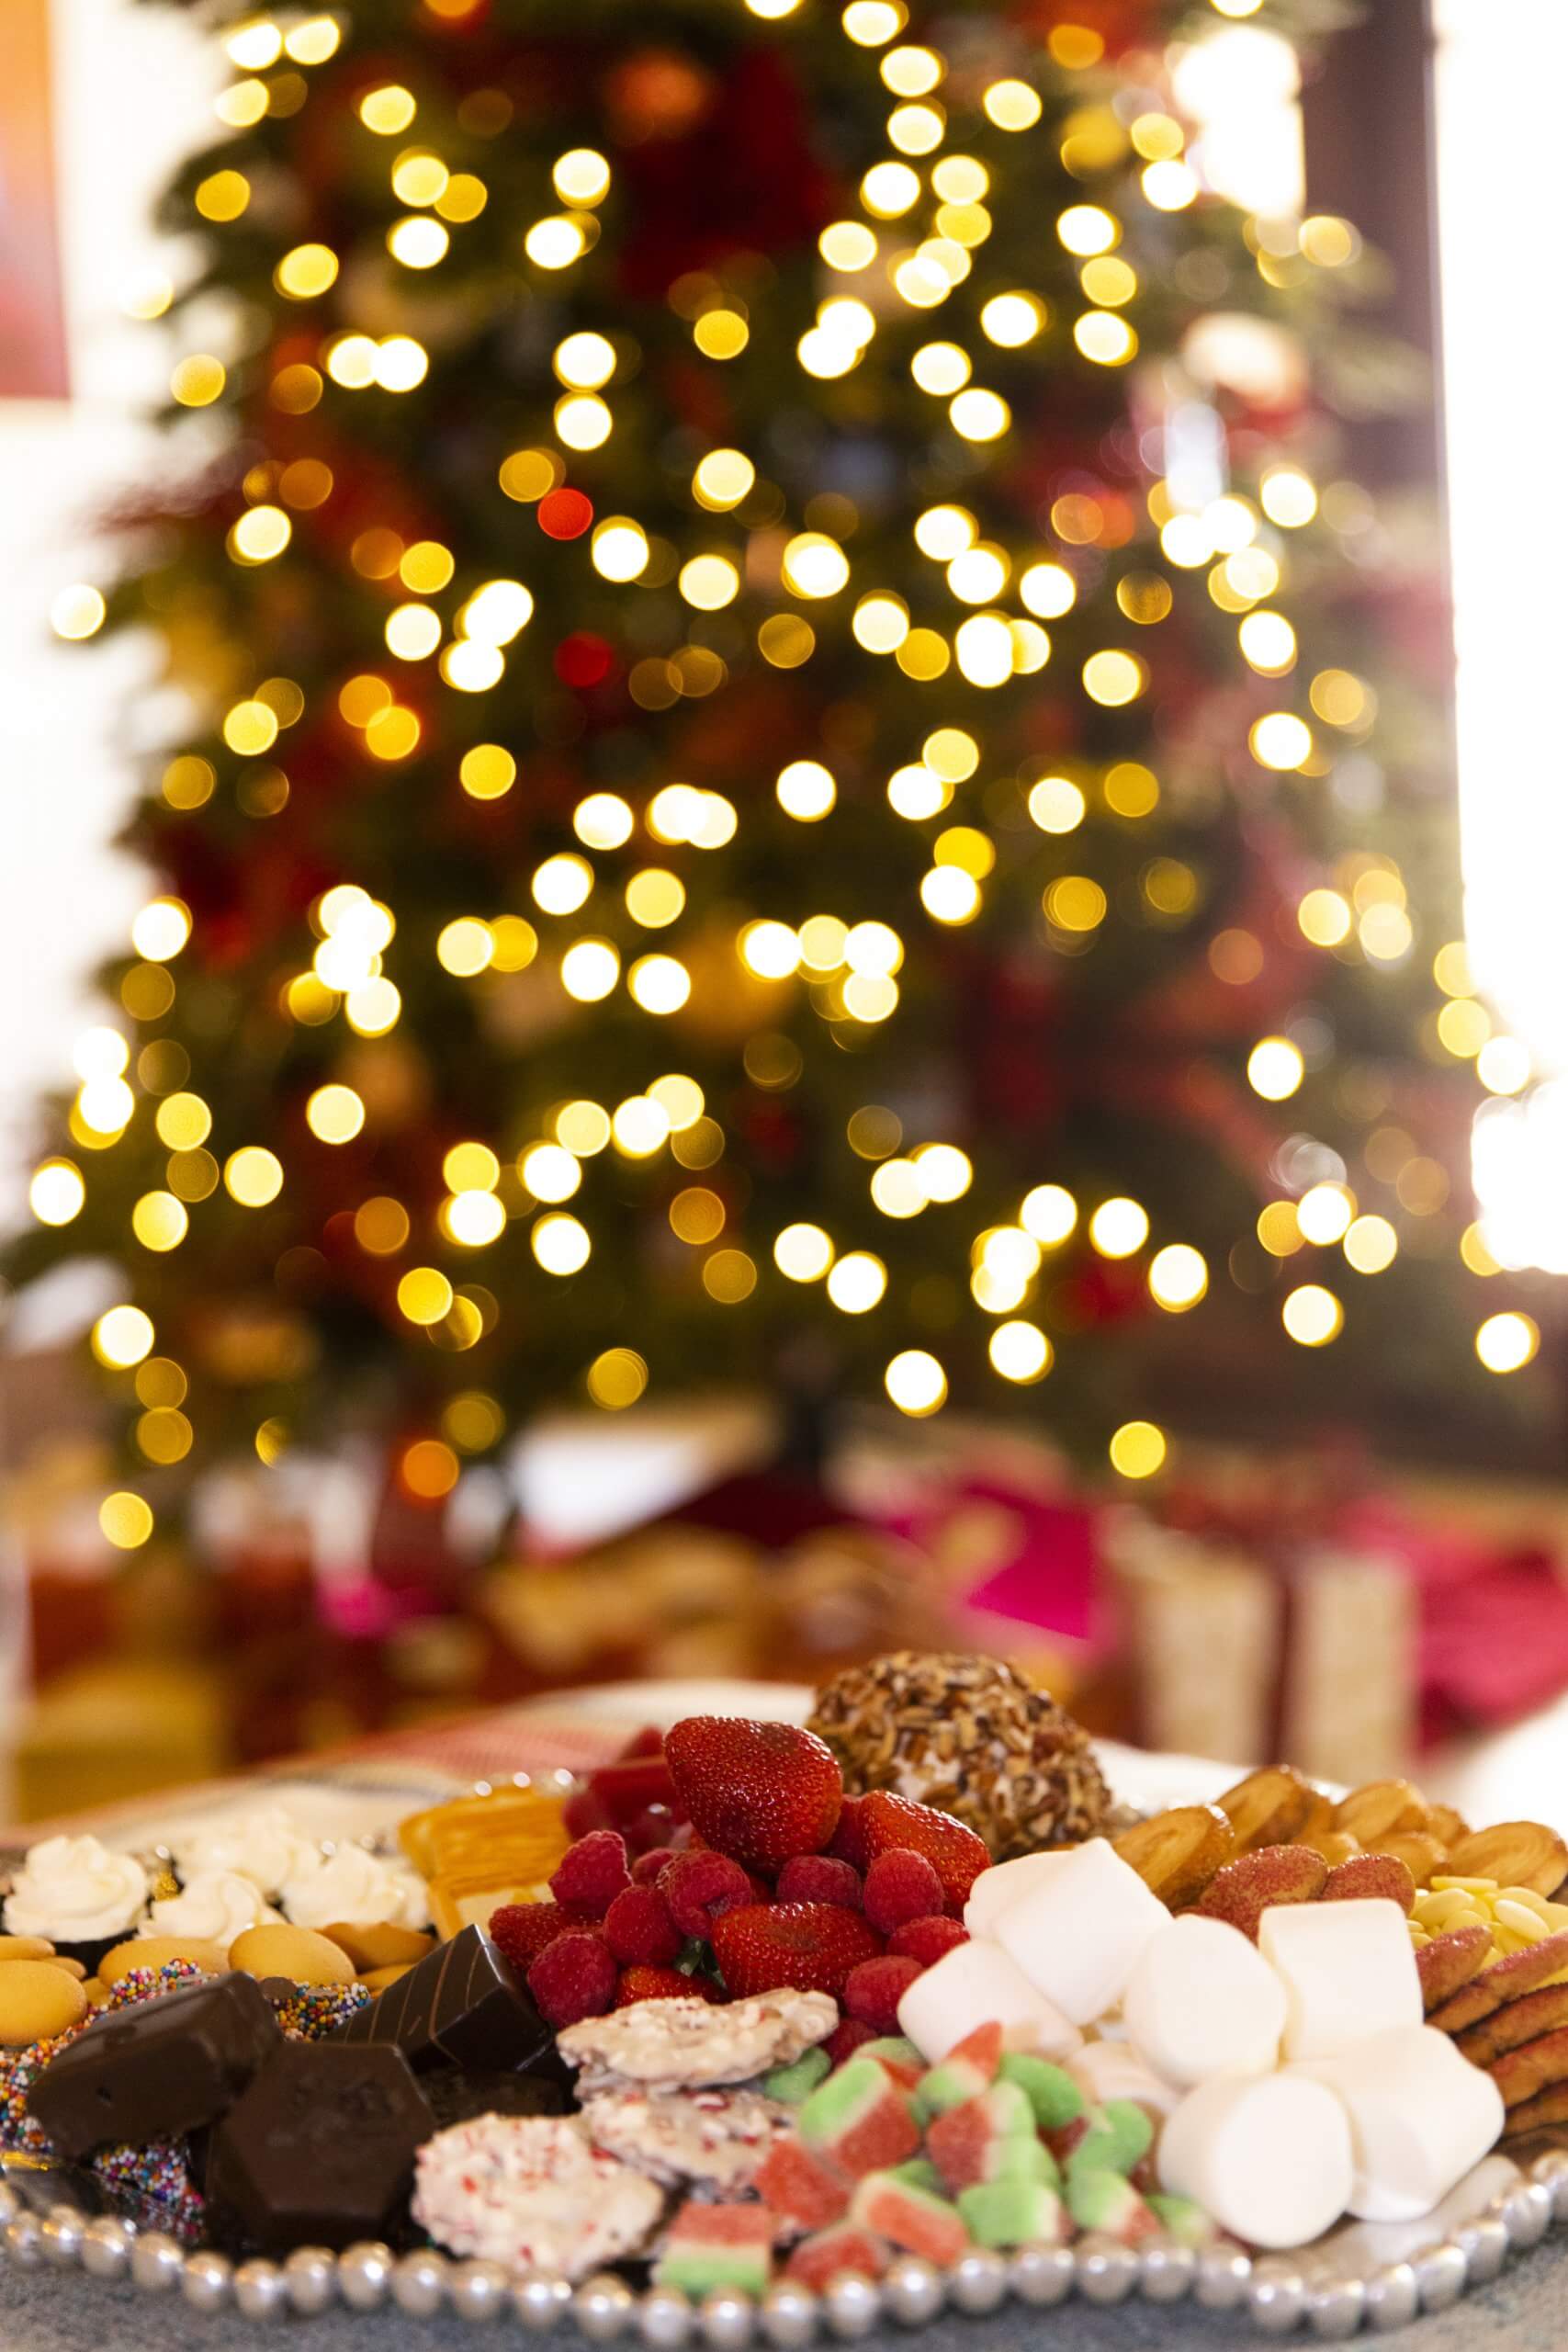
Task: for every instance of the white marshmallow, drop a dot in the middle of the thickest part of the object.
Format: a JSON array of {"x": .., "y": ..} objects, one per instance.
[
  {"x": 1267, "y": 2156},
  {"x": 1002, "y": 1885},
  {"x": 1421, "y": 2115},
  {"x": 1348, "y": 1970},
  {"x": 975, "y": 1984},
  {"x": 1105, "y": 2070},
  {"x": 1078, "y": 1931},
  {"x": 1203, "y": 2001}
]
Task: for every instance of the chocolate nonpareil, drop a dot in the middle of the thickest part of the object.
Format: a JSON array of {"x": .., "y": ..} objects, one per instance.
[
  {"x": 463, "y": 2006},
  {"x": 164, "y": 2067}
]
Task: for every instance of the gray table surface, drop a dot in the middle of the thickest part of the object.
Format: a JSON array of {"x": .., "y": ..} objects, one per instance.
[{"x": 45, "y": 2311}]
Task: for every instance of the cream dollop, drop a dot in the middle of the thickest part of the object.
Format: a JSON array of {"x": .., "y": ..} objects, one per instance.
[
  {"x": 266, "y": 1847},
  {"x": 73, "y": 1890},
  {"x": 217, "y": 1906},
  {"x": 355, "y": 1888}
]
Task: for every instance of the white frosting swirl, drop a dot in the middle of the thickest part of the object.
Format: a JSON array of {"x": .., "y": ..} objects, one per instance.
[
  {"x": 73, "y": 1890},
  {"x": 215, "y": 1904},
  {"x": 354, "y": 1889},
  {"x": 266, "y": 1847}
]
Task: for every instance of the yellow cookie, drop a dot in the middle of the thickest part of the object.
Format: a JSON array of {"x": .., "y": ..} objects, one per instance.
[
  {"x": 36, "y": 2000},
  {"x": 385, "y": 1946},
  {"x": 377, "y": 1979},
  {"x": 151, "y": 1952},
  {"x": 25, "y": 1948},
  {"x": 298, "y": 1953}
]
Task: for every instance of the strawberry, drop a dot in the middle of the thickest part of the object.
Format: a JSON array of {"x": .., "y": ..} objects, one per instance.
[
  {"x": 627, "y": 1788},
  {"x": 761, "y": 1793},
  {"x": 812, "y": 1946},
  {"x": 641, "y": 1984},
  {"x": 954, "y": 1853}
]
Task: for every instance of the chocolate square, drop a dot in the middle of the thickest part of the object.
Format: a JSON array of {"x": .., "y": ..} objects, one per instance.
[
  {"x": 463, "y": 2005},
  {"x": 319, "y": 2152},
  {"x": 160, "y": 2068}
]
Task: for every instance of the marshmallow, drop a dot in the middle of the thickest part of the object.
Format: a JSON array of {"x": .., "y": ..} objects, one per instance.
[
  {"x": 1348, "y": 1971},
  {"x": 1202, "y": 2001},
  {"x": 1421, "y": 2116},
  {"x": 1105, "y": 2070},
  {"x": 1002, "y": 1885},
  {"x": 1267, "y": 2155},
  {"x": 975, "y": 1984},
  {"x": 1078, "y": 1931}
]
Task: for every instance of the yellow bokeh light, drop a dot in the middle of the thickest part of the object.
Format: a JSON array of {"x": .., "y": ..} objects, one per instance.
[
  {"x": 917, "y": 1383},
  {"x": 803, "y": 1253},
  {"x": 424, "y": 1294},
  {"x": 655, "y": 897},
  {"x": 387, "y": 110},
  {"x": 639, "y": 1126},
  {"x": 1049, "y": 1215},
  {"x": 620, "y": 548},
  {"x": 413, "y": 631},
  {"x": 183, "y": 1121},
  {"x": 1105, "y": 337},
  {"x": 771, "y": 950},
  {"x": 1119, "y": 1227},
  {"x": 590, "y": 969},
  {"x": 382, "y": 1226},
  {"x": 617, "y": 1379},
  {"x": 428, "y": 1469},
  {"x": 1138, "y": 1449},
  {"x": 253, "y": 1175},
  {"x": 1507, "y": 1342},
  {"x": 857, "y": 1283},
  {"x": 1047, "y": 589},
  {"x": 77, "y": 612},
  {"x": 1074, "y": 904},
  {"x": 721, "y": 334},
  {"x": 1179, "y": 1277},
  {"x": 1324, "y": 1213},
  {"x": 1269, "y": 642},
  {"x": 555, "y": 242},
  {"x": 1020, "y": 1352},
  {"x": 307, "y": 271},
  {"x": 949, "y": 895},
  {"x": 562, "y": 884},
  {"x": 979, "y": 415},
  {"x": 57, "y": 1191},
  {"x": 126, "y": 1520},
  {"x": 1324, "y": 918},
  {"x": 1115, "y": 677},
  {"x": 1280, "y": 741},
  {"x": 581, "y": 177},
  {"x": 889, "y": 189},
  {"x": 1288, "y": 496},
  {"x": 198, "y": 380},
  {"x": 465, "y": 947},
  {"x": 161, "y": 930},
  {"x": 604, "y": 821},
  {"x": 583, "y": 421},
  {"x": 815, "y": 565},
  {"x": 561, "y": 1243},
  {"x": 474, "y": 1219},
  {"x": 487, "y": 772},
  {"x": 709, "y": 582},
  {"x": 585, "y": 361},
  {"x": 1171, "y": 185},
  {"x": 661, "y": 984},
  {"x": 723, "y": 479},
  {"x": 122, "y": 1337},
  {"x": 1312, "y": 1316},
  {"x": 334, "y": 1113},
  {"x": 805, "y": 790},
  {"x": 1275, "y": 1068},
  {"x": 160, "y": 1221},
  {"x": 1370, "y": 1245},
  {"x": 1056, "y": 804}
]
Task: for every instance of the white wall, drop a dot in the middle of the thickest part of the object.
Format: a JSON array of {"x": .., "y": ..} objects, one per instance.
[{"x": 131, "y": 90}]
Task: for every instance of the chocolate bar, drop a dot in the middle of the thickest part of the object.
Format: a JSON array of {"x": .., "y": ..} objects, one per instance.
[
  {"x": 160, "y": 2068},
  {"x": 319, "y": 2152},
  {"x": 461, "y": 2006}
]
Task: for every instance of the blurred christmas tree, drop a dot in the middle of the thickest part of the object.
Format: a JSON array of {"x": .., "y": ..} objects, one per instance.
[{"x": 788, "y": 779}]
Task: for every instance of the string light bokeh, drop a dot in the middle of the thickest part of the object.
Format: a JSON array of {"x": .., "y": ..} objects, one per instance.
[{"x": 722, "y": 827}]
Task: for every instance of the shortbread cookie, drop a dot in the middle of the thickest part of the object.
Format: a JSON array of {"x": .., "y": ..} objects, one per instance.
[
  {"x": 532, "y": 2192},
  {"x": 689, "y": 2045}
]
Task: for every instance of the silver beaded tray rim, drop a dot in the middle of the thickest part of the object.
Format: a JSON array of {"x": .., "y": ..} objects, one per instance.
[{"x": 1278, "y": 2292}]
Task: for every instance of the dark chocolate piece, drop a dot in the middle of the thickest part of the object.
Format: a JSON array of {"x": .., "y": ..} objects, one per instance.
[
  {"x": 463, "y": 2005},
  {"x": 457, "y": 2099},
  {"x": 159, "y": 2069},
  {"x": 319, "y": 2152}
]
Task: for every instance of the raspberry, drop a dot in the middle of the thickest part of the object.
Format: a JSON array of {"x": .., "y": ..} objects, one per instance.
[
  {"x": 647, "y": 1867},
  {"x": 592, "y": 1872},
  {"x": 873, "y": 1991},
  {"x": 649, "y": 1741},
  {"x": 582, "y": 1814},
  {"x": 926, "y": 1939},
  {"x": 523, "y": 1930},
  {"x": 846, "y": 2038},
  {"x": 651, "y": 1828},
  {"x": 900, "y": 1887},
  {"x": 660, "y": 1985},
  {"x": 639, "y": 1929},
  {"x": 818, "y": 1878},
  {"x": 848, "y": 1840},
  {"x": 699, "y": 1887},
  {"x": 574, "y": 1977}
]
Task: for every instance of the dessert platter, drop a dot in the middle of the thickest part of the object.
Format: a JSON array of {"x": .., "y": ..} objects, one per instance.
[{"x": 767, "y": 2031}]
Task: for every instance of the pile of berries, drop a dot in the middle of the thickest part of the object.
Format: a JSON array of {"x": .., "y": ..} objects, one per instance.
[{"x": 769, "y": 1876}]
